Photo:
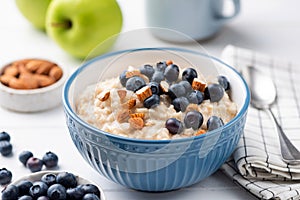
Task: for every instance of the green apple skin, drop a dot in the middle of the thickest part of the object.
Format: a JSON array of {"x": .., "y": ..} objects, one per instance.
[
  {"x": 34, "y": 11},
  {"x": 79, "y": 26}
]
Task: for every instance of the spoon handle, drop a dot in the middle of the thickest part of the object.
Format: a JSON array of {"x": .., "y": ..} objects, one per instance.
[{"x": 289, "y": 152}]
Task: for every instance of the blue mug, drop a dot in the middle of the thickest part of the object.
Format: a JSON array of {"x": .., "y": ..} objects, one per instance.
[{"x": 188, "y": 19}]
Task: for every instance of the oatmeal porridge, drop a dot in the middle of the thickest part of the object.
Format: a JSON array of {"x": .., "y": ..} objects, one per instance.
[{"x": 157, "y": 102}]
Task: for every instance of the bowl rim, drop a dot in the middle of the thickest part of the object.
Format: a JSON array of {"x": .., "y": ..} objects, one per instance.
[
  {"x": 46, "y": 89},
  {"x": 68, "y": 109}
]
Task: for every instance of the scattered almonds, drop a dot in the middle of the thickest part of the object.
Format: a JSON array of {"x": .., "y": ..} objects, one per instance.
[{"x": 30, "y": 74}]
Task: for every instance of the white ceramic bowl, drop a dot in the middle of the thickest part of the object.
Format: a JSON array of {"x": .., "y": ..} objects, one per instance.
[
  {"x": 33, "y": 100},
  {"x": 38, "y": 175}
]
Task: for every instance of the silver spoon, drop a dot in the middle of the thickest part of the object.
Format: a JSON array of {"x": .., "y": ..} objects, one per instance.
[{"x": 263, "y": 95}]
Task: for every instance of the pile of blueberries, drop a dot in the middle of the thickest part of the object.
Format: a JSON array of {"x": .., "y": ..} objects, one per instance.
[
  {"x": 180, "y": 92},
  {"x": 61, "y": 186},
  {"x": 5, "y": 145}
]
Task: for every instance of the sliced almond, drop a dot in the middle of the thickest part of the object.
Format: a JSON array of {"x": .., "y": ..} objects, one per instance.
[
  {"x": 136, "y": 123},
  {"x": 169, "y": 62},
  {"x": 199, "y": 85},
  {"x": 164, "y": 86},
  {"x": 200, "y": 132},
  {"x": 131, "y": 103},
  {"x": 131, "y": 73},
  {"x": 137, "y": 115},
  {"x": 122, "y": 94},
  {"x": 144, "y": 93},
  {"x": 123, "y": 115}
]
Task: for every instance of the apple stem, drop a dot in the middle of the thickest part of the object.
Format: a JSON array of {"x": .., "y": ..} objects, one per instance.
[{"x": 65, "y": 24}]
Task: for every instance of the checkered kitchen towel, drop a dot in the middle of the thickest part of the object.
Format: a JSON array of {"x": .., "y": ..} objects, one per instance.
[{"x": 256, "y": 164}]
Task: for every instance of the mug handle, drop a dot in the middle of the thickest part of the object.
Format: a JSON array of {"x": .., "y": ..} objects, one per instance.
[{"x": 237, "y": 8}]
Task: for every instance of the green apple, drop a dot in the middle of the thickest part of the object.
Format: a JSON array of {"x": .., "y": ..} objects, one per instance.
[
  {"x": 34, "y": 11},
  {"x": 79, "y": 26}
]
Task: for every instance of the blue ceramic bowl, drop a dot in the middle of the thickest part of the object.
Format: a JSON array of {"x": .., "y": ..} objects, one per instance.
[{"x": 153, "y": 165}]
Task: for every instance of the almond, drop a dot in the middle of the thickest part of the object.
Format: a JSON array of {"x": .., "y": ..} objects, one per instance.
[
  {"x": 44, "y": 68},
  {"x": 43, "y": 80},
  {"x": 135, "y": 115},
  {"x": 131, "y": 73},
  {"x": 122, "y": 94},
  {"x": 29, "y": 81},
  {"x": 6, "y": 78},
  {"x": 33, "y": 65},
  {"x": 198, "y": 84},
  {"x": 144, "y": 93},
  {"x": 56, "y": 72},
  {"x": 131, "y": 103},
  {"x": 200, "y": 132},
  {"x": 104, "y": 95},
  {"x": 17, "y": 83},
  {"x": 11, "y": 70},
  {"x": 164, "y": 86},
  {"x": 169, "y": 62},
  {"x": 123, "y": 115}
]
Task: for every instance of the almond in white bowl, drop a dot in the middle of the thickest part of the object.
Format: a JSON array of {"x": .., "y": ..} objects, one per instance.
[{"x": 31, "y": 85}]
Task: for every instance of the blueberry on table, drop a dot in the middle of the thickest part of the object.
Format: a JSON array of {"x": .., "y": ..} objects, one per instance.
[
  {"x": 157, "y": 77},
  {"x": 24, "y": 156},
  {"x": 5, "y": 176},
  {"x": 123, "y": 78},
  {"x": 5, "y": 148},
  {"x": 57, "y": 192},
  {"x": 189, "y": 74},
  {"x": 174, "y": 126},
  {"x": 161, "y": 66},
  {"x": 4, "y": 136},
  {"x": 135, "y": 83},
  {"x": 90, "y": 197},
  {"x": 50, "y": 159},
  {"x": 193, "y": 119},
  {"x": 90, "y": 188},
  {"x": 147, "y": 70},
  {"x": 171, "y": 73},
  {"x": 155, "y": 88},
  {"x": 34, "y": 164},
  {"x": 24, "y": 187},
  {"x": 66, "y": 179},
  {"x": 223, "y": 81},
  {"x": 214, "y": 122},
  {"x": 49, "y": 179},
  {"x": 176, "y": 90},
  {"x": 152, "y": 101},
  {"x": 38, "y": 189},
  {"x": 196, "y": 97},
  {"x": 10, "y": 193},
  {"x": 214, "y": 92},
  {"x": 180, "y": 104}
]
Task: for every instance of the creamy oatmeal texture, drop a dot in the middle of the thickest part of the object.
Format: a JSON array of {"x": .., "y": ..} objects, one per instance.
[{"x": 109, "y": 106}]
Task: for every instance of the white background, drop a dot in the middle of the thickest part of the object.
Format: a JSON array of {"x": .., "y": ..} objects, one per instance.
[{"x": 268, "y": 26}]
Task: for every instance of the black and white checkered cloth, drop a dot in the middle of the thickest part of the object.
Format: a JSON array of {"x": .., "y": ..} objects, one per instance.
[{"x": 256, "y": 164}]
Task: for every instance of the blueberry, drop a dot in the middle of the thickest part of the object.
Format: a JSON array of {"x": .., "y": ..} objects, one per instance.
[
  {"x": 176, "y": 90},
  {"x": 123, "y": 78},
  {"x": 5, "y": 148},
  {"x": 214, "y": 92},
  {"x": 155, "y": 88},
  {"x": 24, "y": 156},
  {"x": 10, "y": 193},
  {"x": 157, "y": 77},
  {"x": 24, "y": 187},
  {"x": 223, "y": 81},
  {"x": 75, "y": 193},
  {"x": 214, "y": 122},
  {"x": 171, "y": 73},
  {"x": 180, "y": 104},
  {"x": 189, "y": 74},
  {"x": 196, "y": 97},
  {"x": 50, "y": 159},
  {"x": 174, "y": 126},
  {"x": 34, "y": 164},
  {"x": 90, "y": 197},
  {"x": 135, "y": 83},
  {"x": 161, "y": 66},
  {"x": 43, "y": 198},
  {"x": 90, "y": 188},
  {"x": 66, "y": 179},
  {"x": 147, "y": 70},
  {"x": 152, "y": 101},
  {"x": 193, "y": 119},
  {"x": 25, "y": 197},
  {"x": 49, "y": 179},
  {"x": 4, "y": 136},
  {"x": 57, "y": 192},
  {"x": 38, "y": 189},
  {"x": 5, "y": 176},
  {"x": 187, "y": 86}
]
